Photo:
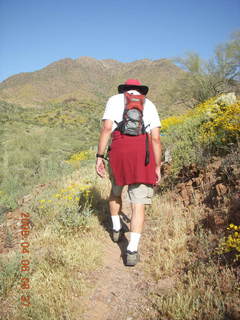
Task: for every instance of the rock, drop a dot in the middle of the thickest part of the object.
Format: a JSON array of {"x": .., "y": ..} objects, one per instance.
[
  {"x": 234, "y": 209},
  {"x": 25, "y": 199},
  {"x": 167, "y": 156},
  {"x": 227, "y": 99},
  {"x": 221, "y": 189}
]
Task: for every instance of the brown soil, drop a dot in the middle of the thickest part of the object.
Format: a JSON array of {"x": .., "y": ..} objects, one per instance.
[
  {"x": 118, "y": 289},
  {"x": 120, "y": 292}
]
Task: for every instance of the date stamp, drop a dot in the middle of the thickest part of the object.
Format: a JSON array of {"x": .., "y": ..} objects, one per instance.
[{"x": 25, "y": 260}]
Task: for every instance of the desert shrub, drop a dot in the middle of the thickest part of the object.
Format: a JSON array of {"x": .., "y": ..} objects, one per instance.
[
  {"x": 207, "y": 78},
  {"x": 69, "y": 208},
  {"x": 222, "y": 124},
  {"x": 231, "y": 243},
  {"x": 182, "y": 139},
  {"x": 36, "y": 157},
  {"x": 35, "y": 142},
  {"x": 75, "y": 220},
  {"x": 29, "y": 160},
  {"x": 82, "y": 155},
  {"x": 171, "y": 121},
  {"x": 212, "y": 128},
  {"x": 75, "y": 215}
]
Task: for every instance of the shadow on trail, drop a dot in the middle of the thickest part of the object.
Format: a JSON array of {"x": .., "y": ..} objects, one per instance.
[{"x": 101, "y": 208}]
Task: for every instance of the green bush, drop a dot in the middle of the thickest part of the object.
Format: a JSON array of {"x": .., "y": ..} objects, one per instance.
[
  {"x": 211, "y": 129},
  {"x": 182, "y": 140}
]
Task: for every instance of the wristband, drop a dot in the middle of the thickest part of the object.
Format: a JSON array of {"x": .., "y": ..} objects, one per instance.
[{"x": 100, "y": 155}]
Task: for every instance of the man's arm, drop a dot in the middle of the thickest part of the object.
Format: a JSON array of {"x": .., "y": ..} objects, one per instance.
[
  {"x": 157, "y": 151},
  {"x": 102, "y": 144}
]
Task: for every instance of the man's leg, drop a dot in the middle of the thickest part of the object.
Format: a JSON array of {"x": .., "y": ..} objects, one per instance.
[
  {"x": 136, "y": 226},
  {"x": 115, "y": 206},
  {"x": 139, "y": 195},
  {"x": 137, "y": 220}
]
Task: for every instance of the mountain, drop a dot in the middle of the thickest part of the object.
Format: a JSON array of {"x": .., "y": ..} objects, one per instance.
[{"x": 89, "y": 80}]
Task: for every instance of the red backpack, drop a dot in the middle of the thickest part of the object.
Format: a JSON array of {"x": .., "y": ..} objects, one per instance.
[{"x": 132, "y": 123}]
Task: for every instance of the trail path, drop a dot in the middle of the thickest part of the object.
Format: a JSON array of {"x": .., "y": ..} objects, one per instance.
[{"x": 120, "y": 291}]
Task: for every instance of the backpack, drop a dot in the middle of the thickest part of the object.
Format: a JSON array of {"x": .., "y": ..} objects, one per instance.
[{"x": 132, "y": 123}]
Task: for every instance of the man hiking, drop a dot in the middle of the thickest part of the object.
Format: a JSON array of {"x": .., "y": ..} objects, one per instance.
[{"x": 132, "y": 122}]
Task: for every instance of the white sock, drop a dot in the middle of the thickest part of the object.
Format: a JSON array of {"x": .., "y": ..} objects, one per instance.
[
  {"x": 116, "y": 222},
  {"x": 134, "y": 240}
]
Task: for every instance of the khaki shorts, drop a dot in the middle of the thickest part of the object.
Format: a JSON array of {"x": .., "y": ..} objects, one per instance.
[{"x": 136, "y": 193}]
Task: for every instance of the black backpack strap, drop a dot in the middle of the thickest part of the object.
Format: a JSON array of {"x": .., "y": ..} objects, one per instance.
[
  {"x": 144, "y": 128},
  {"x": 117, "y": 127},
  {"x": 147, "y": 157}
]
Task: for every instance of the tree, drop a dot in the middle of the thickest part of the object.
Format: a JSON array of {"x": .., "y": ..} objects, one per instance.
[{"x": 205, "y": 79}]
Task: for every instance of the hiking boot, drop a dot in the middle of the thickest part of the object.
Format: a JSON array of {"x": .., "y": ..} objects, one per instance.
[
  {"x": 132, "y": 258},
  {"x": 116, "y": 235}
]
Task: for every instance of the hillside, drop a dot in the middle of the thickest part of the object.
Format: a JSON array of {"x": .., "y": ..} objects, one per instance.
[
  {"x": 90, "y": 80},
  {"x": 57, "y": 259},
  {"x": 66, "y": 265}
]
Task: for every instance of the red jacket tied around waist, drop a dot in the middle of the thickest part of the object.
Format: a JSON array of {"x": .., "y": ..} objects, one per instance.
[{"x": 127, "y": 160}]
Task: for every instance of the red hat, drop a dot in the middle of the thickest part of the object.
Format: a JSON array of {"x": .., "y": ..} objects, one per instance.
[{"x": 133, "y": 84}]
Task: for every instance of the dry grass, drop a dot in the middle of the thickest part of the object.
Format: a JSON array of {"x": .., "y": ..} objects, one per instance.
[
  {"x": 60, "y": 272},
  {"x": 181, "y": 253},
  {"x": 169, "y": 227},
  {"x": 61, "y": 259}
]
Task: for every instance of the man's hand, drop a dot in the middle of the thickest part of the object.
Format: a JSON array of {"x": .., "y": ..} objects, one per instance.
[
  {"x": 103, "y": 140},
  {"x": 100, "y": 167},
  {"x": 156, "y": 143},
  {"x": 158, "y": 174}
]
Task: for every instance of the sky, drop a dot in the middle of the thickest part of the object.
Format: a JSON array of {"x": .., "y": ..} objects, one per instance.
[{"x": 35, "y": 33}]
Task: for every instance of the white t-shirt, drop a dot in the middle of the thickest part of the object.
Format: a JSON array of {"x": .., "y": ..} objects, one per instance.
[{"x": 115, "y": 107}]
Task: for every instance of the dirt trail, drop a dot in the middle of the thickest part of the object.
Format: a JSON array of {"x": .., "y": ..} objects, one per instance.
[
  {"x": 120, "y": 291},
  {"x": 116, "y": 294}
]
